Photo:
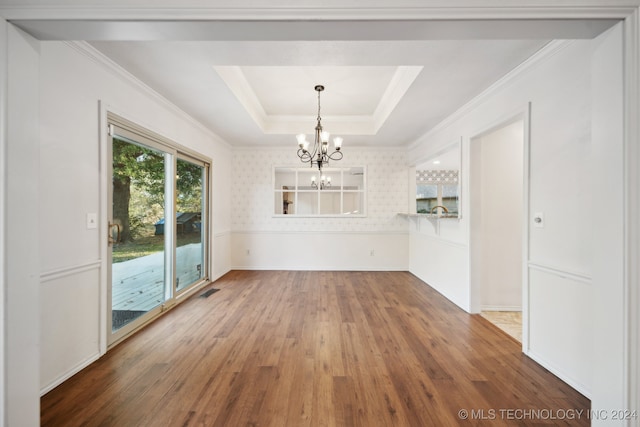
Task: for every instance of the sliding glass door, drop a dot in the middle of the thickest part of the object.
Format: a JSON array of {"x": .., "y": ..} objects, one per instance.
[
  {"x": 138, "y": 266},
  {"x": 190, "y": 204},
  {"x": 157, "y": 226}
]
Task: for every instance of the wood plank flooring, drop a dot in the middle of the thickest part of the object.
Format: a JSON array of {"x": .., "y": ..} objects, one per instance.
[{"x": 291, "y": 348}]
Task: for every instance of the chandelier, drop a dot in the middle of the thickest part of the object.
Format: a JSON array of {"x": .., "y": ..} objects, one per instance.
[
  {"x": 319, "y": 155},
  {"x": 325, "y": 182}
]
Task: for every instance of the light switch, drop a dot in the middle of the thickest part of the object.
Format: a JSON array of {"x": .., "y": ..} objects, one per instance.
[
  {"x": 92, "y": 221},
  {"x": 538, "y": 219}
]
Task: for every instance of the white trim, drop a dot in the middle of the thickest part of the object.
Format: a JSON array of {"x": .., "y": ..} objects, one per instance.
[
  {"x": 98, "y": 57},
  {"x": 560, "y": 374},
  {"x": 523, "y": 113},
  {"x": 236, "y": 81},
  {"x": 517, "y": 308},
  {"x": 561, "y": 272},
  {"x": 170, "y": 149},
  {"x": 103, "y": 223},
  {"x": 424, "y": 216},
  {"x": 315, "y": 268},
  {"x": 414, "y": 10},
  {"x": 60, "y": 273},
  {"x": 319, "y": 232},
  {"x": 288, "y": 147},
  {"x": 631, "y": 366},
  {"x": 402, "y": 79},
  {"x": 220, "y": 275},
  {"x": 320, "y": 215},
  {"x": 4, "y": 244},
  {"x": 526, "y": 195},
  {"x": 71, "y": 372},
  {"x": 364, "y": 124}
]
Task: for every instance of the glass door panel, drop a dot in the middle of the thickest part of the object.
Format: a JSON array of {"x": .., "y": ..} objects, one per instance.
[
  {"x": 190, "y": 203},
  {"x": 136, "y": 232}
]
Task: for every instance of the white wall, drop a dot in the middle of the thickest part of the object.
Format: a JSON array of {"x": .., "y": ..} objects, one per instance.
[
  {"x": 326, "y": 243},
  {"x": 22, "y": 206},
  {"x": 440, "y": 260},
  {"x": 559, "y": 87},
  {"x": 72, "y": 82},
  {"x": 497, "y": 184}
]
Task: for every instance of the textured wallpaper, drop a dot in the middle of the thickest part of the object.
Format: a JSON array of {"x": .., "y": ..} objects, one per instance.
[
  {"x": 252, "y": 196},
  {"x": 436, "y": 177}
]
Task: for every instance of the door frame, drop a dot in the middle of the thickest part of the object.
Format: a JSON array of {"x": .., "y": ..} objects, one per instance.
[
  {"x": 177, "y": 151},
  {"x": 523, "y": 114}
]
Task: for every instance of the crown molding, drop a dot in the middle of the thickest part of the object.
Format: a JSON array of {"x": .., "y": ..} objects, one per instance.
[
  {"x": 291, "y": 149},
  {"x": 402, "y": 79},
  {"x": 548, "y": 51},
  {"x": 414, "y": 10},
  {"x": 236, "y": 81},
  {"x": 364, "y": 124},
  {"x": 98, "y": 57}
]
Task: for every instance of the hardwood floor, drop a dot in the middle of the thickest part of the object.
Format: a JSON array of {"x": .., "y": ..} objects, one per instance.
[{"x": 291, "y": 348}]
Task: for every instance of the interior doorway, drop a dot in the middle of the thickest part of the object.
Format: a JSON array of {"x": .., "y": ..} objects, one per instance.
[{"x": 497, "y": 222}]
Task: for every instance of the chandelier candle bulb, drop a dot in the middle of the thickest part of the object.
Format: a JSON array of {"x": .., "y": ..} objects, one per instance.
[
  {"x": 324, "y": 136},
  {"x": 302, "y": 139},
  {"x": 337, "y": 143}
]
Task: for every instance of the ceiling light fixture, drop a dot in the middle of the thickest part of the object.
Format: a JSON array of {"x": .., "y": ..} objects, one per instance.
[
  {"x": 325, "y": 182},
  {"x": 319, "y": 155}
]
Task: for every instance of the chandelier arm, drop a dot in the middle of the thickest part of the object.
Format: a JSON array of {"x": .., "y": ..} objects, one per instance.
[
  {"x": 305, "y": 156},
  {"x": 336, "y": 155}
]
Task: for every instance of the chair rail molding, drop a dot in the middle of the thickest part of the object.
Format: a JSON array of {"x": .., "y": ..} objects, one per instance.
[{"x": 51, "y": 275}]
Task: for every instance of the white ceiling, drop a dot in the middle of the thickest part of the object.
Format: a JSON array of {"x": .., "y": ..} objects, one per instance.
[
  {"x": 382, "y": 93},
  {"x": 392, "y": 71},
  {"x": 280, "y": 99}
]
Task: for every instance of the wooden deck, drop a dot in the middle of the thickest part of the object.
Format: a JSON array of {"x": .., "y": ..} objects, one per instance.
[
  {"x": 138, "y": 284},
  {"x": 279, "y": 348}
]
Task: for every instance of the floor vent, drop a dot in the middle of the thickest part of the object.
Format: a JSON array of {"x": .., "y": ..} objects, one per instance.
[{"x": 208, "y": 292}]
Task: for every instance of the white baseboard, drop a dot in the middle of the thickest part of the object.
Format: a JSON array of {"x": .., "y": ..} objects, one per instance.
[
  {"x": 316, "y": 268},
  {"x": 71, "y": 372},
  {"x": 578, "y": 386},
  {"x": 501, "y": 308}
]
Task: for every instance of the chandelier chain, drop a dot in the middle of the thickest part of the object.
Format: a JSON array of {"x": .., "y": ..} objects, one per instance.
[{"x": 319, "y": 118}]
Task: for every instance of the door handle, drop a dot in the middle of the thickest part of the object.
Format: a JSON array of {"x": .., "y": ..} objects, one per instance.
[{"x": 118, "y": 233}]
